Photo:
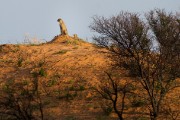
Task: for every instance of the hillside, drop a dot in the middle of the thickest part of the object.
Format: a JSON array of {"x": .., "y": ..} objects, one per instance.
[
  {"x": 72, "y": 58},
  {"x": 65, "y": 66},
  {"x": 65, "y": 70}
]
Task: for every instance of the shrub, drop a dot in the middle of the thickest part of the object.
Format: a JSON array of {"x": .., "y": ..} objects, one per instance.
[
  {"x": 61, "y": 52},
  {"x": 20, "y": 61},
  {"x": 42, "y": 72}
]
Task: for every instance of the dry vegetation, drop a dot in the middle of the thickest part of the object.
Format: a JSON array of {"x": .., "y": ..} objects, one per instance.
[
  {"x": 60, "y": 77},
  {"x": 66, "y": 71}
]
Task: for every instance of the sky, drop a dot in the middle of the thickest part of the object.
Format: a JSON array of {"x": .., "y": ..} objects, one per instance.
[{"x": 20, "y": 19}]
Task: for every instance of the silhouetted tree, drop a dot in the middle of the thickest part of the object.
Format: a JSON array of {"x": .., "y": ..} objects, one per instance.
[
  {"x": 132, "y": 44},
  {"x": 116, "y": 92},
  {"x": 19, "y": 100}
]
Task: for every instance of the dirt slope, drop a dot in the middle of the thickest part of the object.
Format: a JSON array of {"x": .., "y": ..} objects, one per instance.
[{"x": 68, "y": 67}]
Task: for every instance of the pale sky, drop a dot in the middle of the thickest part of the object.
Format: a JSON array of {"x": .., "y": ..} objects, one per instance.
[{"x": 38, "y": 18}]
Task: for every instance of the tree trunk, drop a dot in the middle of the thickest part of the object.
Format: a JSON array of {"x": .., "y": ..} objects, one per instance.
[{"x": 153, "y": 115}]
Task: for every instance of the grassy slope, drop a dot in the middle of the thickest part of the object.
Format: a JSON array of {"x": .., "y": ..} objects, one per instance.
[
  {"x": 70, "y": 69},
  {"x": 68, "y": 65}
]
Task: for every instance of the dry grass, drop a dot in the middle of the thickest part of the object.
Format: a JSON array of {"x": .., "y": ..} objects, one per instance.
[{"x": 67, "y": 71}]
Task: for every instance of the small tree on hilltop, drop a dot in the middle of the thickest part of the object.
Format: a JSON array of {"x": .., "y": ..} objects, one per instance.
[{"x": 131, "y": 43}]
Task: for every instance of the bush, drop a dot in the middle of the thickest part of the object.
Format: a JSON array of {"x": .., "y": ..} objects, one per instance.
[
  {"x": 62, "y": 52},
  {"x": 19, "y": 101}
]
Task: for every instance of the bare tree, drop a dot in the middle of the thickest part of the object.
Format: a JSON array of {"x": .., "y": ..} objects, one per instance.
[
  {"x": 131, "y": 43},
  {"x": 116, "y": 92}
]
